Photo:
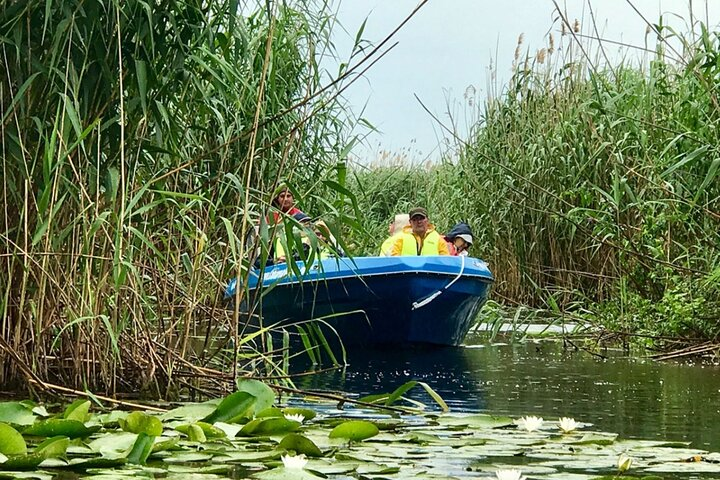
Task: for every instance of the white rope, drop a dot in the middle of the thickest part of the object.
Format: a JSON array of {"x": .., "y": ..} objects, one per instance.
[{"x": 426, "y": 300}]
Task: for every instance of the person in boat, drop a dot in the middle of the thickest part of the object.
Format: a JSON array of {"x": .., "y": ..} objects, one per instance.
[
  {"x": 420, "y": 238},
  {"x": 279, "y": 254},
  {"x": 328, "y": 245},
  {"x": 401, "y": 221},
  {"x": 284, "y": 202},
  {"x": 459, "y": 239}
]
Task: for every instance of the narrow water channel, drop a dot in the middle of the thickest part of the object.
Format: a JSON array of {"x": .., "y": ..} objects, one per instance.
[{"x": 635, "y": 398}]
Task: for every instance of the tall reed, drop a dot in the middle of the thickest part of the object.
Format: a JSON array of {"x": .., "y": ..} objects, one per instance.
[
  {"x": 591, "y": 186},
  {"x": 141, "y": 141}
]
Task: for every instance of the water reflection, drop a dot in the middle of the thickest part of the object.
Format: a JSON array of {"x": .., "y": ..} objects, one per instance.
[{"x": 634, "y": 398}]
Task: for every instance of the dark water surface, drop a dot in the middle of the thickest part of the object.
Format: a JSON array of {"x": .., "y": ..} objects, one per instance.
[{"x": 635, "y": 398}]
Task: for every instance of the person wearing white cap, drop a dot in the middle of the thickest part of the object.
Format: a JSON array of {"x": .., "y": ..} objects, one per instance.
[
  {"x": 459, "y": 239},
  {"x": 401, "y": 221}
]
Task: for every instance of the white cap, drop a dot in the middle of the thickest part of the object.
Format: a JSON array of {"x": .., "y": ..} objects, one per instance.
[{"x": 467, "y": 238}]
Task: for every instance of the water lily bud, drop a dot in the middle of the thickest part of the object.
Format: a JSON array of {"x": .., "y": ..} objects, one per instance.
[{"x": 624, "y": 463}]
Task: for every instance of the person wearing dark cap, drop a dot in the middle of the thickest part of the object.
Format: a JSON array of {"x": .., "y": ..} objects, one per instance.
[
  {"x": 279, "y": 251},
  {"x": 420, "y": 238},
  {"x": 459, "y": 239},
  {"x": 284, "y": 201}
]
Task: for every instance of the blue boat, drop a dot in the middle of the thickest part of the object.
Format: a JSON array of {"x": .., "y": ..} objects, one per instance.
[{"x": 370, "y": 301}]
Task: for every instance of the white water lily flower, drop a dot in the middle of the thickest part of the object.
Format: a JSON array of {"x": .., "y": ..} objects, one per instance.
[
  {"x": 295, "y": 417},
  {"x": 567, "y": 425},
  {"x": 297, "y": 463},
  {"x": 624, "y": 463},
  {"x": 530, "y": 423},
  {"x": 509, "y": 475}
]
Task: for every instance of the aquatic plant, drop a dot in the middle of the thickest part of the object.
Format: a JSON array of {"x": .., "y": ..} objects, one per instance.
[
  {"x": 140, "y": 144},
  {"x": 567, "y": 425},
  {"x": 591, "y": 187},
  {"x": 245, "y": 435},
  {"x": 294, "y": 462},
  {"x": 530, "y": 423},
  {"x": 509, "y": 474},
  {"x": 623, "y": 463}
]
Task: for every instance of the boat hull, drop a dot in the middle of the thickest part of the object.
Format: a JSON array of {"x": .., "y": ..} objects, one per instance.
[{"x": 378, "y": 300}]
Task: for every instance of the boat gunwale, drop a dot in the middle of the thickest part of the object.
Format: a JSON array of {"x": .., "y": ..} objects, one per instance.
[{"x": 317, "y": 279}]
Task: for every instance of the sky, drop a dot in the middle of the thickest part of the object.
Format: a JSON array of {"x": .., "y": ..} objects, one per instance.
[{"x": 446, "y": 49}]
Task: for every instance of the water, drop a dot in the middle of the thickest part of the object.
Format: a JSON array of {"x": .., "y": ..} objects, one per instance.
[{"x": 635, "y": 398}]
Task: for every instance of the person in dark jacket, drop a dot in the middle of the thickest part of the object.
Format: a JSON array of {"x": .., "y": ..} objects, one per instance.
[{"x": 459, "y": 239}]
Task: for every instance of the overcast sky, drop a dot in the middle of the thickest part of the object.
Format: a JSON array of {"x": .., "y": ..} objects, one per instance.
[{"x": 450, "y": 44}]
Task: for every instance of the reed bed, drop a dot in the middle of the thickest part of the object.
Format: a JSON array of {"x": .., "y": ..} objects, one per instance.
[
  {"x": 592, "y": 185},
  {"x": 141, "y": 143}
]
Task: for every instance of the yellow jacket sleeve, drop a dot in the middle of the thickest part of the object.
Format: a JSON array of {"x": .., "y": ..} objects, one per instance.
[
  {"x": 397, "y": 246},
  {"x": 443, "y": 247}
]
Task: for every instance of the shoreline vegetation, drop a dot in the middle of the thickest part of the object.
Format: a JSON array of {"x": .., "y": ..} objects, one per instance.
[
  {"x": 141, "y": 146},
  {"x": 592, "y": 189}
]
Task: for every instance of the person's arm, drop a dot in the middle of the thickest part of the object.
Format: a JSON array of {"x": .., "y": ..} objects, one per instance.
[
  {"x": 397, "y": 247},
  {"x": 443, "y": 247},
  {"x": 279, "y": 252}
]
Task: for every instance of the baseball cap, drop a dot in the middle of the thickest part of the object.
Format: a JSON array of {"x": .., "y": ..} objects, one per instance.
[{"x": 418, "y": 211}]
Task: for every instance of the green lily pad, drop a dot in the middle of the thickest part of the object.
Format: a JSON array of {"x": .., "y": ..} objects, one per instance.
[
  {"x": 141, "y": 449},
  {"x": 11, "y": 442},
  {"x": 269, "y": 412},
  {"x": 232, "y": 408},
  {"x": 283, "y": 473},
  {"x": 597, "y": 438},
  {"x": 191, "y": 412},
  {"x": 264, "y": 396},
  {"x": 60, "y": 427},
  {"x": 269, "y": 426},
  {"x": 113, "y": 445},
  {"x": 140, "y": 422},
  {"x": 97, "y": 462},
  {"x": 53, "y": 447},
  {"x": 354, "y": 430},
  {"x": 208, "y": 431},
  {"x": 15, "y": 413},
  {"x": 300, "y": 445},
  {"x": 475, "y": 421},
  {"x": 78, "y": 410},
  {"x": 23, "y": 462}
]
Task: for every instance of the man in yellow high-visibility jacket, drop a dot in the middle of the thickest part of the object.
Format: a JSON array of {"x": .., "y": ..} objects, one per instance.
[{"x": 420, "y": 238}]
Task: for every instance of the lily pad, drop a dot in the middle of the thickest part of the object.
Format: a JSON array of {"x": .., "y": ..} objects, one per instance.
[
  {"x": 11, "y": 442},
  {"x": 283, "y": 473},
  {"x": 232, "y": 408},
  {"x": 300, "y": 445},
  {"x": 53, "y": 447},
  {"x": 269, "y": 426},
  {"x": 140, "y": 422},
  {"x": 354, "y": 430},
  {"x": 15, "y": 413},
  {"x": 264, "y": 396},
  {"x": 475, "y": 421},
  {"x": 78, "y": 410},
  {"x": 61, "y": 427},
  {"x": 191, "y": 412},
  {"x": 141, "y": 449},
  {"x": 208, "y": 431}
]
